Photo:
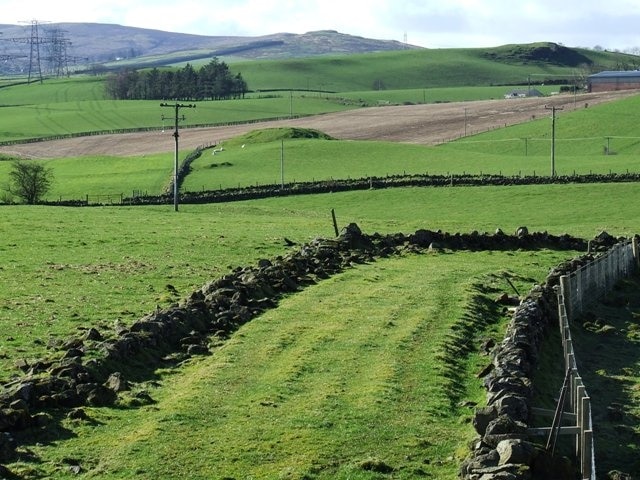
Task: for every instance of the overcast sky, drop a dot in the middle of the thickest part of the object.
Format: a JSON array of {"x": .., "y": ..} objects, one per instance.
[{"x": 612, "y": 24}]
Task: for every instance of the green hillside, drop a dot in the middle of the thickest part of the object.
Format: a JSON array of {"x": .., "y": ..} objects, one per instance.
[
  {"x": 348, "y": 379},
  {"x": 78, "y": 104},
  {"x": 513, "y": 64}
]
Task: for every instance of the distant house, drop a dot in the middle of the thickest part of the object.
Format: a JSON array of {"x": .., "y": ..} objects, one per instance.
[
  {"x": 532, "y": 92},
  {"x": 608, "y": 81}
]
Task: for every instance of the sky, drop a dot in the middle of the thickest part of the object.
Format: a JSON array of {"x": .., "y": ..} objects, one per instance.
[{"x": 612, "y": 24}]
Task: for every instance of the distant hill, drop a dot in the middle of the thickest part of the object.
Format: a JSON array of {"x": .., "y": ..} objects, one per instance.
[
  {"x": 322, "y": 60},
  {"x": 96, "y": 43},
  {"x": 536, "y": 63}
]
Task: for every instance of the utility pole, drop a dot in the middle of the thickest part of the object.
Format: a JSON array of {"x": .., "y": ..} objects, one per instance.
[
  {"x": 282, "y": 164},
  {"x": 465, "y": 122},
  {"x": 58, "y": 58},
  {"x": 35, "y": 40},
  {"x": 553, "y": 137},
  {"x": 176, "y": 106}
]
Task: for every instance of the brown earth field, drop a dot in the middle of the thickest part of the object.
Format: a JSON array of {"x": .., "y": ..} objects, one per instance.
[{"x": 426, "y": 124}]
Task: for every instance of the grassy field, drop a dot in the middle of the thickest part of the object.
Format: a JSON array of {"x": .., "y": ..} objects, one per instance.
[
  {"x": 36, "y": 111},
  {"x": 581, "y": 136},
  {"x": 76, "y": 105},
  {"x": 583, "y": 133},
  {"x": 102, "y": 265},
  {"x": 426, "y": 68},
  {"x": 344, "y": 380},
  {"x": 324, "y": 387},
  {"x": 108, "y": 266},
  {"x": 518, "y": 150}
]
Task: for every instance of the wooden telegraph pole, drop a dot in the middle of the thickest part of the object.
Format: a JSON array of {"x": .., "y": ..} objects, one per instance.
[
  {"x": 553, "y": 138},
  {"x": 176, "y": 107}
]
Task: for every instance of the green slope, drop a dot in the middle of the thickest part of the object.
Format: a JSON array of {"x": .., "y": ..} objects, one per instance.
[{"x": 431, "y": 68}]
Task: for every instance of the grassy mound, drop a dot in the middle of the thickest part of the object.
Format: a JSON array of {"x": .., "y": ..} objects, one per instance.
[
  {"x": 550, "y": 53},
  {"x": 267, "y": 135}
]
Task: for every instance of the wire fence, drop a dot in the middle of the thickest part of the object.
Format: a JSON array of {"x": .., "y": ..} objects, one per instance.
[
  {"x": 576, "y": 292},
  {"x": 593, "y": 280}
]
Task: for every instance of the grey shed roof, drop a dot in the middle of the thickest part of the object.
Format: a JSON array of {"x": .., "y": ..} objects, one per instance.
[{"x": 617, "y": 74}]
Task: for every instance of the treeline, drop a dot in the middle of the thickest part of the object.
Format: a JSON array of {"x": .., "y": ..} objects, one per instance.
[{"x": 213, "y": 81}]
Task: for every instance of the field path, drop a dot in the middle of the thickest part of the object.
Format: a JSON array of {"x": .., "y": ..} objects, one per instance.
[{"x": 419, "y": 124}]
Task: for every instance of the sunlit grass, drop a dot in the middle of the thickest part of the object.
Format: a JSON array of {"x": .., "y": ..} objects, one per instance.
[{"x": 342, "y": 379}]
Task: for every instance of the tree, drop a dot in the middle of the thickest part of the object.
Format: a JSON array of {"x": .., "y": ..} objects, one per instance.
[{"x": 30, "y": 180}]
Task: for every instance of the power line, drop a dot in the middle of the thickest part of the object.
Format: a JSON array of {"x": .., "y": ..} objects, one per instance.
[
  {"x": 34, "y": 50},
  {"x": 55, "y": 54}
]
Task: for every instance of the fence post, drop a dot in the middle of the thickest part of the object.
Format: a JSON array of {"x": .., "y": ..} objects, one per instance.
[
  {"x": 562, "y": 315},
  {"x": 580, "y": 394},
  {"x": 335, "y": 223},
  {"x": 587, "y": 455},
  {"x": 572, "y": 382},
  {"x": 587, "y": 438},
  {"x": 580, "y": 296},
  {"x": 565, "y": 289}
]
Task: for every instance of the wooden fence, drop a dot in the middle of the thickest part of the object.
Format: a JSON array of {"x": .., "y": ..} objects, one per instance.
[{"x": 576, "y": 292}]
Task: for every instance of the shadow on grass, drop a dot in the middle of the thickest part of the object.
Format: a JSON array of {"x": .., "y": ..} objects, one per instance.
[
  {"x": 606, "y": 340},
  {"x": 465, "y": 337}
]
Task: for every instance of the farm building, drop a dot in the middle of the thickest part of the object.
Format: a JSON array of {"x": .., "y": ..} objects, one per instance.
[
  {"x": 608, "y": 81},
  {"x": 532, "y": 92}
]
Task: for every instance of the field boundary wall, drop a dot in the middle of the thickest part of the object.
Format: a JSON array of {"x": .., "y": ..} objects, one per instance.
[
  {"x": 345, "y": 185},
  {"x": 504, "y": 444}
]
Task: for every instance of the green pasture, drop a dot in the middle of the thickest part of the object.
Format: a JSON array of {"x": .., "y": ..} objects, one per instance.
[
  {"x": 343, "y": 378},
  {"x": 78, "y": 105},
  {"x": 65, "y": 269},
  {"x": 112, "y": 176},
  {"x": 426, "y": 68},
  {"x": 93, "y": 265},
  {"x": 298, "y": 160},
  {"x": 104, "y": 179},
  {"x": 51, "y": 118},
  {"x": 59, "y": 90},
  {"x": 525, "y": 149},
  {"x": 324, "y": 387},
  {"x": 582, "y": 134},
  {"x": 582, "y": 131}
]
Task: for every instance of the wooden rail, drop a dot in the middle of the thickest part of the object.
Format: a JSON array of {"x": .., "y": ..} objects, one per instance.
[{"x": 575, "y": 293}]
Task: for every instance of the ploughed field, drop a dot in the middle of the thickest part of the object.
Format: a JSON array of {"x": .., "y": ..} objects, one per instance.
[{"x": 425, "y": 124}]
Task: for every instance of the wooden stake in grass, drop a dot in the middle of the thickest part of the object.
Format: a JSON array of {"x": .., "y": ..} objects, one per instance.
[{"x": 335, "y": 223}]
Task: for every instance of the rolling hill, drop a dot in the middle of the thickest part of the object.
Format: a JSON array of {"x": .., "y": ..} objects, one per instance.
[
  {"x": 87, "y": 45},
  {"x": 112, "y": 46}
]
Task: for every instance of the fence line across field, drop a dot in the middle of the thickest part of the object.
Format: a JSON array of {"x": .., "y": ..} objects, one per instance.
[{"x": 576, "y": 292}]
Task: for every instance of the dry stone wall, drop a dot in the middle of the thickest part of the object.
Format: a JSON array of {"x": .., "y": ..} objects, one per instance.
[
  {"x": 328, "y": 186},
  {"x": 503, "y": 450},
  {"x": 85, "y": 370}
]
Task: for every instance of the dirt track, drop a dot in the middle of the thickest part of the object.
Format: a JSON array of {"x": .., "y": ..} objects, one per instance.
[{"x": 419, "y": 124}]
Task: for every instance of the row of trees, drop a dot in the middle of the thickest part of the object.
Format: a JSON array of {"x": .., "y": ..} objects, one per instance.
[{"x": 213, "y": 81}]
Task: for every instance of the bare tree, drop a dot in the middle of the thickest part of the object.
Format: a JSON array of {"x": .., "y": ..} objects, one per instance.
[{"x": 30, "y": 180}]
